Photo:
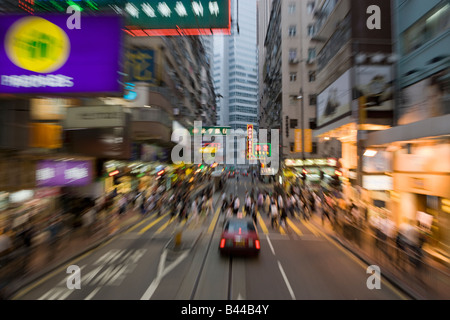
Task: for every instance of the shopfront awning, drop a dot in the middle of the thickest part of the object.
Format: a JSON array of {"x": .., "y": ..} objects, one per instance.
[{"x": 431, "y": 127}]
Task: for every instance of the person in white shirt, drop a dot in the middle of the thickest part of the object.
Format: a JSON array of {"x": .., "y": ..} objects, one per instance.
[{"x": 237, "y": 205}]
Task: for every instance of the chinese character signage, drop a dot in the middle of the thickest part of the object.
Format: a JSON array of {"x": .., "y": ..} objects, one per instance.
[
  {"x": 184, "y": 17},
  {"x": 140, "y": 65},
  {"x": 250, "y": 154},
  {"x": 262, "y": 150},
  {"x": 211, "y": 131},
  {"x": 52, "y": 173},
  {"x": 41, "y": 55}
]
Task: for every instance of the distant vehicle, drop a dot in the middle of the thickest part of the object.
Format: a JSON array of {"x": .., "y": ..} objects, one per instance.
[
  {"x": 231, "y": 174},
  {"x": 245, "y": 173},
  {"x": 239, "y": 237}
]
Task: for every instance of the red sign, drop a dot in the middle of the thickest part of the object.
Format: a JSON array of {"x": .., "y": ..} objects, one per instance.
[{"x": 250, "y": 141}]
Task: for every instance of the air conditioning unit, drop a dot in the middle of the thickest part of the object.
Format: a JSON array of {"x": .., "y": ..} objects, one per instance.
[{"x": 293, "y": 61}]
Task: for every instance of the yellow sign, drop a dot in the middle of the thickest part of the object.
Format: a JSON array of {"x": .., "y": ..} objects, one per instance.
[
  {"x": 45, "y": 135},
  {"x": 37, "y": 45},
  {"x": 298, "y": 140}
]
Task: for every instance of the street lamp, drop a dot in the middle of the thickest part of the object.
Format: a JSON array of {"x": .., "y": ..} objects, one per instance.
[{"x": 300, "y": 97}]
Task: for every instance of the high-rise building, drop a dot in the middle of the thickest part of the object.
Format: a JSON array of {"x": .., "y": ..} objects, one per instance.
[
  {"x": 288, "y": 77},
  {"x": 236, "y": 69}
]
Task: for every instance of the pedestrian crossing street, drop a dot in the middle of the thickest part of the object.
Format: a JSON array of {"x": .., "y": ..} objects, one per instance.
[{"x": 164, "y": 224}]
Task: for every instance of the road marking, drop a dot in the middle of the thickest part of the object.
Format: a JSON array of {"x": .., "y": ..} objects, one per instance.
[
  {"x": 262, "y": 224},
  {"x": 280, "y": 228},
  {"x": 286, "y": 281},
  {"x": 93, "y": 293},
  {"x": 270, "y": 245},
  {"x": 214, "y": 220},
  {"x": 310, "y": 227},
  {"x": 294, "y": 227},
  {"x": 152, "y": 224},
  {"x": 164, "y": 226},
  {"x": 162, "y": 272},
  {"x": 143, "y": 221}
]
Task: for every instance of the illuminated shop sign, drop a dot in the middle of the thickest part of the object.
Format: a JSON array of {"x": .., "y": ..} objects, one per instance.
[
  {"x": 51, "y": 173},
  {"x": 39, "y": 54}
]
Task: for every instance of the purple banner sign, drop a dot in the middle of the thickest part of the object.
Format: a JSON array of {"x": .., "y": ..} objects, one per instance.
[
  {"x": 51, "y": 173},
  {"x": 40, "y": 54}
]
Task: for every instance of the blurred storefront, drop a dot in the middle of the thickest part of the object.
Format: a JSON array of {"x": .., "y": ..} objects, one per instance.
[{"x": 420, "y": 177}]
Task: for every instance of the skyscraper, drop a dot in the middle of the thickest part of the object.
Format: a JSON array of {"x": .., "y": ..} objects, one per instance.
[{"x": 236, "y": 69}]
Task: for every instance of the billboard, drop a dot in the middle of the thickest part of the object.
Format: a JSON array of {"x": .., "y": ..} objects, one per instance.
[
  {"x": 52, "y": 173},
  {"x": 169, "y": 18},
  {"x": 154, "y": 18},
  {"x": 41, "y": 55},
  {"x": 335, "y": 100}
]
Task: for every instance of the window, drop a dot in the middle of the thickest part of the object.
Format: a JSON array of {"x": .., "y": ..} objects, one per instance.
[
  {"x": 291, "y": 7},
  {"x": 293, "y": 76},
  {"x": 426, "y": 28},
  {"x": 312, "y": 99},
  {"x": 312, "y": 76},
  {"x": 292, "y": 146},
  {"x": 294, "y": 123},
  {"x": 292, "y": 31},
  {"x": 311, "y": 54},
  {"x": 310, "y": 7},
  {"x": 311, "y": 30},
  {"x": 292, "y": 54}
]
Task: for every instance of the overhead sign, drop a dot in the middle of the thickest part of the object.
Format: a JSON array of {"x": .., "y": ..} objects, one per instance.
[
  {"x": 41, "y": 55},
  {"x": 183, "y": 17},
  {"x": 152, "y": 18},
  {"x": 51, "y": 173}
]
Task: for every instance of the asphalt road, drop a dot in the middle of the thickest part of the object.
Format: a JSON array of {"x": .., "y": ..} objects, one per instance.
[{"x": 300, "y": 263}]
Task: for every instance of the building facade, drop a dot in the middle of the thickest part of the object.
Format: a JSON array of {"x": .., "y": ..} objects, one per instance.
[
  {"x": 418, "y": 145},
  {"x": 288, "y": 95}
]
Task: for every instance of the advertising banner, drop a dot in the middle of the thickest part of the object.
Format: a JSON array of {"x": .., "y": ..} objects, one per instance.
[
  {"x": 52, "y": 173},
  {"x": 335, "y": 100},
  {"x": 374, "y": 84},
  {"x": 40, "y": 54}
]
